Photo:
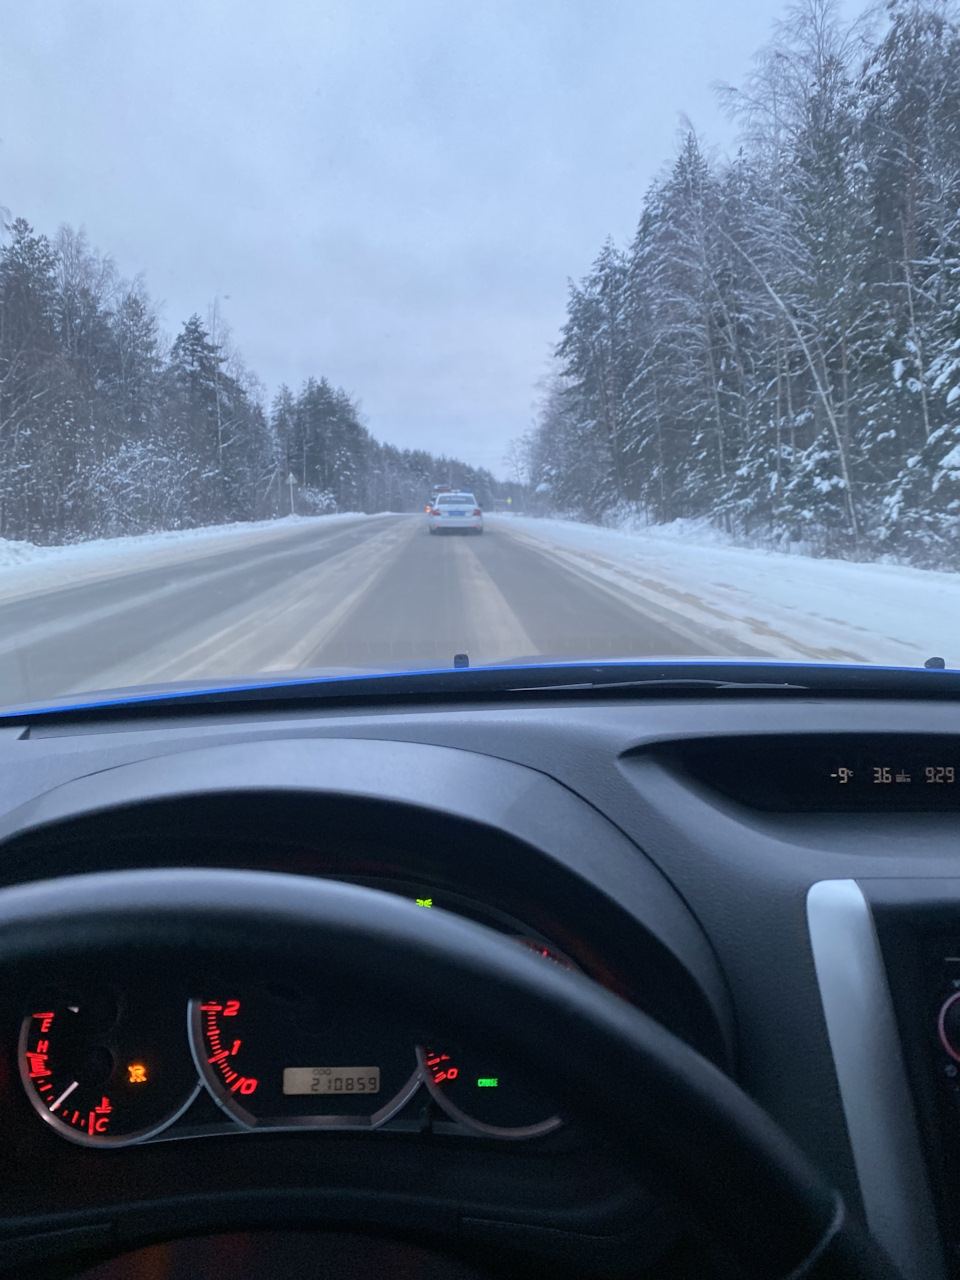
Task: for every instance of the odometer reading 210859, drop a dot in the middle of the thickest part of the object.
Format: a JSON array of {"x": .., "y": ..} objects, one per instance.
[{"x": 337, "y": 1080}]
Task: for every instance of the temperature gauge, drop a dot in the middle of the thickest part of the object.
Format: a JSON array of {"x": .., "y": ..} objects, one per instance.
[{"x": 104, "y": 1070}]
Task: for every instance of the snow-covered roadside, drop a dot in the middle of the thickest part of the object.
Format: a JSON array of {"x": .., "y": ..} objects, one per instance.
[
  {"x": 786, "y": 606},
  {"x": 26, "y": 569}
]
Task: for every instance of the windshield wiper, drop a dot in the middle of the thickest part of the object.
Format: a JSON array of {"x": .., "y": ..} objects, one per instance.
[{"x": 663, "y": 683}]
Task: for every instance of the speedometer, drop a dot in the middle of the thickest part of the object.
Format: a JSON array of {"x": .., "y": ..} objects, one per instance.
[{"x": 280, "y": 1060}]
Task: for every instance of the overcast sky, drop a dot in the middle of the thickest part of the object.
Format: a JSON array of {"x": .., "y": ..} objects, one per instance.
[{"x": 392, "y": 193}]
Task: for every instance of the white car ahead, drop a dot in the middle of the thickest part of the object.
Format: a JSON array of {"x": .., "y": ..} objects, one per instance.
[{"x": 455, "y": 511}]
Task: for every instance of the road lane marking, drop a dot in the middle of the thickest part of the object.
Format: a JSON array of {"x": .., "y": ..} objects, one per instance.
[
  {"x": 122, "y": 557},
  {"x": 264, "y": 632},
  {"x": 382, "y": 559},
  {"x": 493, "y": 632},
  {"x": 72, "y": 620}
]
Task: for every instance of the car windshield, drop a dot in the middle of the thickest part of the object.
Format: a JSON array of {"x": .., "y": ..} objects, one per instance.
[{"x": 673, "y": 289}]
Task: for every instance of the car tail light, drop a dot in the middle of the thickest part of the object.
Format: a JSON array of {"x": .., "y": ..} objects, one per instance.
[
  {"x": 429, "y": 509},
  {"x": 477, "y": 511}
]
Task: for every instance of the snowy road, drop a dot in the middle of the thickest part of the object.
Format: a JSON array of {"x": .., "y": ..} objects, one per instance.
[
  {"x": 378, "y": 591},
  {"x": 370, "y": 591}
]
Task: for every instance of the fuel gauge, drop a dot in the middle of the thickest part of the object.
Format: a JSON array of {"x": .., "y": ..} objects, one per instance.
[
  {"x": 485, "y": 1093},
  {"x": 481, "y": 1090}
]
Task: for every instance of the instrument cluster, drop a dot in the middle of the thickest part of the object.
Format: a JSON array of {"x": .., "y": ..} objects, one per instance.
[{"x": 112, "y": 1065}]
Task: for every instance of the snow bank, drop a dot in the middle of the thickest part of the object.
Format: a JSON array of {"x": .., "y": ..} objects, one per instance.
[
  {"x": 783, "y": 606},
  {"x": 26, "y": 569}
]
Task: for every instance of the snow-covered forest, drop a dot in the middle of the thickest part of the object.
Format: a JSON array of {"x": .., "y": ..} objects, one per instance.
[
  {"x": 778, "y": 349},
  {"x": 107, "y": 427}
]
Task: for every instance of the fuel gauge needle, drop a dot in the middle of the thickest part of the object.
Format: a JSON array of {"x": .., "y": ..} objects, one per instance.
[{"x": 66, "y": 1094}]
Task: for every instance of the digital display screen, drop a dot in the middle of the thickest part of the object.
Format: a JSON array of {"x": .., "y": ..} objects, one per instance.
[
  {"x": 336, "y": 1080},
  {"x": 874, "y": 773}
]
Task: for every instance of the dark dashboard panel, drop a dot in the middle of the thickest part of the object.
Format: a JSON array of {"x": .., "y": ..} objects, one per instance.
[
  {"x": 607, "y": 832},
  {"x": 918, "y": 927},
  {"x": 420, "y": 1169},
  {"x": 295, "y": 1256},
  {"x": 455, "y": 822},
  {"x": 527, "y": 859}
]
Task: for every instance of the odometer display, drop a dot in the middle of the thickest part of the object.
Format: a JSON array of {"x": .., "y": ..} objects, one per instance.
[
  {"x": 336, "y": 1080},
  {"x": 245, "y": 1041}
]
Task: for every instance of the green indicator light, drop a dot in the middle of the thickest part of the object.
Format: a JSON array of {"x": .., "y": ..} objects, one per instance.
[
  {"x": 487, "y": 1082},
  {"x": 424, "y": 902}
]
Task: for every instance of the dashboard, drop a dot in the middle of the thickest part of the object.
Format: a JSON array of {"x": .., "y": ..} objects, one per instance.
[
  {"x": 110, "y": 1061},
  {"x": 774, "y": 880}
]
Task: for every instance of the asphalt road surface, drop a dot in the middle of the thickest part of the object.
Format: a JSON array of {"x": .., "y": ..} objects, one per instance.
[{"x": 375, "y": 592}]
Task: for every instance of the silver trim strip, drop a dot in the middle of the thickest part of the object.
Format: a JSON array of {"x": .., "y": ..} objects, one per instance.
[{"x": 872, "y": 1078}]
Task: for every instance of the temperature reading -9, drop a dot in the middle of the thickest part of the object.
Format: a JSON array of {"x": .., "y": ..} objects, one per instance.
[{"x": 939, "y": 773}]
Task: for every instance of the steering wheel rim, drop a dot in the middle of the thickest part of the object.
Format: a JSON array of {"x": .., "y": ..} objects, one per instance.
[{"x": 658, "y": 1102}]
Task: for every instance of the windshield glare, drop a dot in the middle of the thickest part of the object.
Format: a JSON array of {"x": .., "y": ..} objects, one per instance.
[{"x": 665, "y": 300}]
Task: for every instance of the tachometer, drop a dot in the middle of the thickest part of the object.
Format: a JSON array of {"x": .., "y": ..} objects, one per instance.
[
  {"x": 106, "y": 1069},
  {"x": 280, "y": 1061}
]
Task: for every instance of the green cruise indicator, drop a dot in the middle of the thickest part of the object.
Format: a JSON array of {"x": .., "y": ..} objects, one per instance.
[{"x": 487, "y": 1082}]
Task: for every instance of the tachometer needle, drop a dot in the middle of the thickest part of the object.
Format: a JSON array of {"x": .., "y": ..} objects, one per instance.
[{"x": 66, "y": 1094}]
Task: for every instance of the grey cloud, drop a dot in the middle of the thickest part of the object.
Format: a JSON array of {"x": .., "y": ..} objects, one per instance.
[{"x": 391, "y": 193}]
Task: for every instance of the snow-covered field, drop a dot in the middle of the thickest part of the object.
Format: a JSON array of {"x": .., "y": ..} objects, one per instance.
[
  {"x": 26, "y": 569},
  {"x": 787, "y": 606}
]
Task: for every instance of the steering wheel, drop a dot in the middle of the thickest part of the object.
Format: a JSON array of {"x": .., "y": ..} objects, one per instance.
[{"x": 657, "y": 1104}]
